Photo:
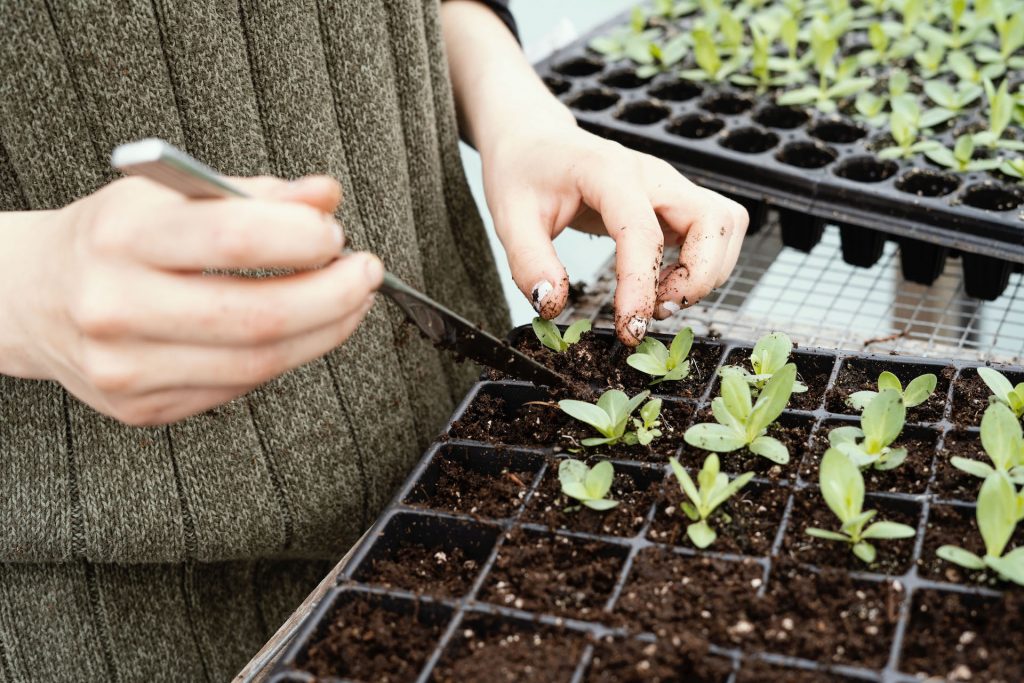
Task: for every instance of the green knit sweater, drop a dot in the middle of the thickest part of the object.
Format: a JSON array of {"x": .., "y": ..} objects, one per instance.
[{"x": 172, "y": 553}]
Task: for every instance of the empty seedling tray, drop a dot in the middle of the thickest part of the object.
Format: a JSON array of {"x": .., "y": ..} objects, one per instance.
[
  {"x": 812, "y": 167},
  {"x": 476, "y": 571}
]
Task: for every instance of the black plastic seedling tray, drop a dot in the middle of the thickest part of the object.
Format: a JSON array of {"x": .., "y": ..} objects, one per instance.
[
  {"x": 483, "y": 613},
  {"x": 813, "y": 168}
]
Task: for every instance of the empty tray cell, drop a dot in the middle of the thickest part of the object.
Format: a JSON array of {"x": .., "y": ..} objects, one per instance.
[
  {"x": 923, "y": 182},
  {"x": 555, "y": 574},
  {"x": 953, "y": 637},
  {"x": 861, "y": 247},
  {"x": 992, "y": 197},
  {"x": 680, "y": 658},
  {"x": 370, "y": 637},
  {"x": 746, "y": 524},
  {"x": 488, "y": 648},
  {"x": 623, "y": 79},
  {"x": 557, "y": 86},
  {"x": 695, "y": 125},
  {"x": 895, "y": 556},
  {"x": 427, "y": 554},
  {"x": 971, "y": 396},
  {"x": 859, "y": 374},
  {"x": 911, "y": 477},
  {"x": 837, "y": 131},
  {"x": 922, "y": 262},
  {"x": 728, "y": 104},
  {"x": 813, "y": 369},
  {"x": 985, "y": 277},
  {"x": 951, "y": 483},
  {"x": 749, "y": 140},
  {"x": 643, "y": 113},
  {"x": 593, "y": 99},
  {"x": 668, "y": 593},
  {"x": 476, "y": 480},
  {"x": 634, "y": 488},
  {"x": 956, "y": 525},
  {"x": 675, "y": 91},
  {"x": 800, "y": 230},
  {"x": 866, "y": 168},
  {"x": 803, "y": 154},
  {"x": 579, "y": 66},
  {"x": 784, "y": 118}
]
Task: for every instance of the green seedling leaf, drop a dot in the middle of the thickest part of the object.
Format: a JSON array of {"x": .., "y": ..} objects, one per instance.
[
  {"x": 664, "y": 364},
  {"x": 770, "y": 354},
  {"x": 996, "y": 513},
  {"x": 961, "y": 557},
  {"x": 589, "y": 486},
  {"x": 917, "y": 392},
  {"x": 881, "y": 423},
  {"x": 712, "y": 489},
  {"x": 1003, "y": 390},
  {"x": 610, "y": 416},
  {"x": 548, "y": 334}
]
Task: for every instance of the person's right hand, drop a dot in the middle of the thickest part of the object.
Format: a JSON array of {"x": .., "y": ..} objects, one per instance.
[{"x": 109, "y": 296}]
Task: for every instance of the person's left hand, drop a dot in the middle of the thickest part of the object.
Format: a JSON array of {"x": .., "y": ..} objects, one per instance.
[{"x": 539, "y": 181}]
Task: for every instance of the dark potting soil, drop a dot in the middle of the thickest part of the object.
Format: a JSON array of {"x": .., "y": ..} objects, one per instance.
[
  {"x": 910, "y": 477},
  {"x": 756, "y": 671},
  {"x": 364, "y": 640},
  {"x": 965, "y": 638},
  {"x": 951, "y": 483},
  {"x": 971, "y": 396},
  {"x": 809, "y": 509},
  {"x": 601, "y": 361},
  {"x": 634, "y": 489},
  {"x": 861, "y": 375},
  {"x": 489, "y": 649},
  {"x": 679, "y": 658},
  {"x": 424, "y": 569},
  {"x": 472, "y": 492},
  {"x": 554, "y": 574},
  {"x": 813, "y": 370},
  {"x": 746, "y": 524},
  {"x": 955, "y": 525}
]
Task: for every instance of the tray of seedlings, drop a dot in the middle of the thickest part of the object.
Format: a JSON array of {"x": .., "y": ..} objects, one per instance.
[
  {"x": 895, "y": 119},
  {"x": 697, "y": 510}
]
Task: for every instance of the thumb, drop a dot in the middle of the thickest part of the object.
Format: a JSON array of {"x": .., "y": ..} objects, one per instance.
[{"x": 536, "y": 269}]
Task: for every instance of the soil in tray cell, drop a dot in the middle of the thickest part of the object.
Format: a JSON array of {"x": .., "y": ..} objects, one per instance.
[
  {"x": 746, "y": 524},
  {"x": 951, "y": 483},
  {"x": 554, "y": 574},
  {"x": 756, "y": 671},
  {"x": 809, "y": 509},
  {"x": 668, "y": 593},
  {"x": 971, "y": 396},
  {"x": 956, "y": 525},
  {"x": 441, "y": 557},
  {"x": 812, "y": 369},
  {"x": 957, "y": 637},
  {"x": 481, "y": 482},
  {"x": 486, "y": 648},
  {"x": 910, "y": 477},
  {"x": 678, "y": 658},
  {"x": 369, "y": 638},
  {"x": 792, "y": 430},
  {"x": 634, "y": 488},
  {"x": 858, "y": 374},
  {"x": 600, "y": 360}
]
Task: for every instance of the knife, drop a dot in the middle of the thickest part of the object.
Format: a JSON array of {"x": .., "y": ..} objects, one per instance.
[{"x": 166, "y": 164}]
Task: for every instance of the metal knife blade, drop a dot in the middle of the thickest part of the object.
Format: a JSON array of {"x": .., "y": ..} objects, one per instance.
[{"x": 166, "y": 164}]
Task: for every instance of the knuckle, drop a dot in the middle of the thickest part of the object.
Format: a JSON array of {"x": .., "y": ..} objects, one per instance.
[
  {"x": 97, "y": 314},
  {"x": 232, "y": 241},
  {"x": 263, "y": 364},
  {"x": 262, "y": 323},
  {"x": 107, "y": 371},
  {"x": 109, "y": 234}
]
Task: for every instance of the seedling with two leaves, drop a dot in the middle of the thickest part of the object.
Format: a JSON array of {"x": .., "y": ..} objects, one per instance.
[
  {"x": 871, "y": 107},
  {"x": 917, "y": 392},
  {"x": 710, "y": 64},
  {"x": 905, "y": 123},
  {"x": 549, "y": 335},
  {"x": 997, "y": 514},
  {"x": 965, "y": 28},
  {"x": 610, "y": 416},
  {"x": 961, "y": 157},
  {"x": 1000, "y": 114},
  {"x": 664, "y": 364},
  {"x": 1003, "y": 390},
  {"x": 842, "y": 487},
  {"x": 1003, "y": 441},
  {"x": 711, "y": 490},
  {"x": 743, "y": 423},
  {"x": 880, "y": 424},
  {"x": 588, "y": 485},
  {"x": 1009, "y": 25},
  {"x": 770, "y": 354},
  {"x": 884, "y": 49},
  {"x": 834, "y": 83},
  {"x": 628, "y": 42},
  {"x": 966, "y": 69},
  {"x": 664, "y": 56}
]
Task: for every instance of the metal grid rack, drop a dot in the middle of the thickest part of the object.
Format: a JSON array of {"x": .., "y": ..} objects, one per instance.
[{"x": 819, "y": 300}]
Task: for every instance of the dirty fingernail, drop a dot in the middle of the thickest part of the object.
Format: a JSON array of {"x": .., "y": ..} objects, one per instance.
[
  {"x": 538, "y": 293},
  {"x": 671, "y": 307},
  {"x": 637, "y": 327}
]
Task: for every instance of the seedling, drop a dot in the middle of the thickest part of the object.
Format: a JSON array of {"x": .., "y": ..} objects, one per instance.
[
  {"x": 1000, "y": 114},
  {"x": 548, "y": 334},
  {"x": 905, "y": 123},
  {"x": 917, "y": 392},
  {"x": 932, "y": 60},
  {"x": 712, "y": 489},
  {"x": 997, "y": 516},
  {"x": 871, "y": 107},
  {"x": 1003, "y": 441},
  {"x": 609, "y": 416},
  {"x": 665, "y": 364},
  {"x": 961, "y": 157},
  {"x": 711, "y": 66},
  {"x": 1009, "y": 25},
  {"x": 885, "y": 50},
  {"x": 632, "y": 41},
  {"x": 647, "y": 427},
  {"x": 770, "y": 354},
  {"x": 842, "y": 487},
  {"x": 953, "y": 100},
  {"x": 665, "y": 56},
  {"x": 1014, "y": 168},
  {"x": 834, "y": 83},
  {"x": 964, "y": 28},
  {"x": 743, "y": 424},
  {"x": 588, "y": 485},
  {"x": 673, "y": 9},
  {"x": 880, "y": 425},
  {"x": 967, "y": 70},
  {"x": 1003, "y": 391}
]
